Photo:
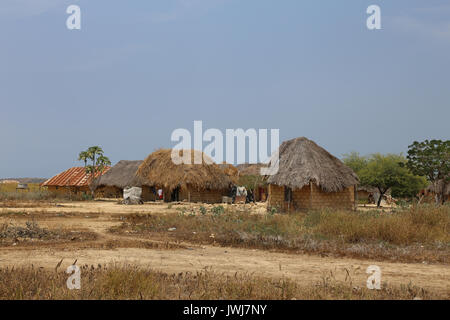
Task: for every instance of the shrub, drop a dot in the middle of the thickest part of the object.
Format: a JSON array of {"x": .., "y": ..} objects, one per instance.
[{"x": 218, "y": 210}]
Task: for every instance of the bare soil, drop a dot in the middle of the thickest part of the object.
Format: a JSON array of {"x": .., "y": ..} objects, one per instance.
[{"x": 176, "y": 257}]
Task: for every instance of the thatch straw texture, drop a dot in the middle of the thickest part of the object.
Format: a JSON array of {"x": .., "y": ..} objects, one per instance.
[
  {"x": 122, "y": 175},
  {"x": 250, "y": 169},
  {"x": 302, "y": 160},
  {"x": 159, "y": 170},
  {"x": 230, "y": 171}
]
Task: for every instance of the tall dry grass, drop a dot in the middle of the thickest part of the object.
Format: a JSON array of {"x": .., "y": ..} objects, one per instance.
[
  {"x": 418, "y": 225},
  {"x": 417, "y": 234},
  {"x": 130, "y": 282},
  {"x": 8, "y": 191}
]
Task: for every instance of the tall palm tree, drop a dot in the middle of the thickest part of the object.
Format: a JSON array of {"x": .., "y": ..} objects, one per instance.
[
  {"x": 83, "y": 156},
  {"x": 99, "y": 162},
  {"x": 102, "y": 162},
  {"x": 94, "y": 152}
]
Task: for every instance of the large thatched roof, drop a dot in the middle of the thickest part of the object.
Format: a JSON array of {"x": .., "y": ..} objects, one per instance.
[
  {"x": 122, "y": 175},
  {"x": 159, "y": 170},
  {"x": 302, "y": 160}
]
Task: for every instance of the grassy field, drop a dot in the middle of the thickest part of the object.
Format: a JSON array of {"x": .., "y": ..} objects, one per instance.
[
  {"x": 130, "y": 282},
  {"x": 410, "y": 235},
  {"x": 34, "y": 193},
  {"x": 195, "y": 251},
  {"x": 11, "y": 187}
]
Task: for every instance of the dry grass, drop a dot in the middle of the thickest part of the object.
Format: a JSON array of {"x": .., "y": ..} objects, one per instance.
[
  {"x": 131, "y": 282},
  {"x": 414, "y": 235},
  {"x": 11, "y": 187},
  {"x": 11, "y": 234},
  {"x": 34, "y": 193},
  {"x": 418, "y": 225}
]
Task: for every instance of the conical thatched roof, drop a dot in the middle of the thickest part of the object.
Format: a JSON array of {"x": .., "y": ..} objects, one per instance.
[
  {"x": 122, "y": 175},
  {"x": 159, "y": 170},
  {"x": 302, "y": 160}
]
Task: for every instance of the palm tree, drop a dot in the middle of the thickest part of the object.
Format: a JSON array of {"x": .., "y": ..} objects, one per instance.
[
  {"x": 83, "y": 156},
  {"x": 102, "y": 162},
  {"x": 94, "y": 152},
  {"x": 99, "y": 162}
]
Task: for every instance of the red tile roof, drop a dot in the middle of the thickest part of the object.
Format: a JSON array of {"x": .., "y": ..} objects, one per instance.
[{"x": 73, "y": 177}]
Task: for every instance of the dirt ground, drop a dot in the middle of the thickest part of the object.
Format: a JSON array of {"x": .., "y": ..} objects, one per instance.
[{"x": 181, "y": 257}]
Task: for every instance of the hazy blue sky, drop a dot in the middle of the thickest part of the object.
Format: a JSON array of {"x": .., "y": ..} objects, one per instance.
[{"x": 137, "y": 70}]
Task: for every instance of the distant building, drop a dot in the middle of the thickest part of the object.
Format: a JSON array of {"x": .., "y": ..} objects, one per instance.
[
  {"x": 72, "y": 182},
  {"x": 121, "y": 176},
  {"x": 9, "y": 182}
]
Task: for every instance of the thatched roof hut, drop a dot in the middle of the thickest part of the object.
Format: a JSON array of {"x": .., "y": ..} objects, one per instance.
[
  {"x": 159, "y": 170},
  {"x": 122, "y": 175},
  {"x": 309, "y": 177},
  {"x": 302, "y": 161}
]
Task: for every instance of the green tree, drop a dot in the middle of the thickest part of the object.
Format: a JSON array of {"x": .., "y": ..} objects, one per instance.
[
  {"x": 96, "y": 167},
  {"x": 432, "y": 160},
  {"x": 355, "y": 161},
  {"x": 386, "y": 172},
  {"x": 411, "y": 186}
]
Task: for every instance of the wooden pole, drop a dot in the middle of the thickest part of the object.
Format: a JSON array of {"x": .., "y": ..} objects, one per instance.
[{"x": 310, "y": 194}]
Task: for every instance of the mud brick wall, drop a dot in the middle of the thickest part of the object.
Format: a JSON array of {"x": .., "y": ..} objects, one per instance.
[
  {"x": 147, "y": 194},
  {"x": 73, "y": 192},
  {"x": 311, "y": 198},
  {"x": 203, "y": 196},
  {"x": 109, "y": 192}
]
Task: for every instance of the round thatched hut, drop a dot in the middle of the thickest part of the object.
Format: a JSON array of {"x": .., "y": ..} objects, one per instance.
[
  {"x": 119, "y": 177},
  {"x": 205, "y": 182},
  {"x": 309, "y": 177}
]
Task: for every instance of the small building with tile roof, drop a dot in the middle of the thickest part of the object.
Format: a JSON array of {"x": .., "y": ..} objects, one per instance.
[{"x": 73, "y": 182}]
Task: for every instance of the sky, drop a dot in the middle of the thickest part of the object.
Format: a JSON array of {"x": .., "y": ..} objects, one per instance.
[{"x": 137, "y": 70}]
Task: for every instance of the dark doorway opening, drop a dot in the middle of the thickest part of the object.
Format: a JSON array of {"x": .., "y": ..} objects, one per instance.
[{"x": 175, "y": 195}]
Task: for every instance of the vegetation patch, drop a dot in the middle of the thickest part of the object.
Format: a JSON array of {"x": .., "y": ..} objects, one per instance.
[
  {"x": 417, "y": 234},
  {"x": 131, "y": 282},
  {"x": 11, "y": 234}
]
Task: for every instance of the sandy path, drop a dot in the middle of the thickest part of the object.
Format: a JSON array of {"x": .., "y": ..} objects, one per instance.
[{"x": 111, "y": 207}]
